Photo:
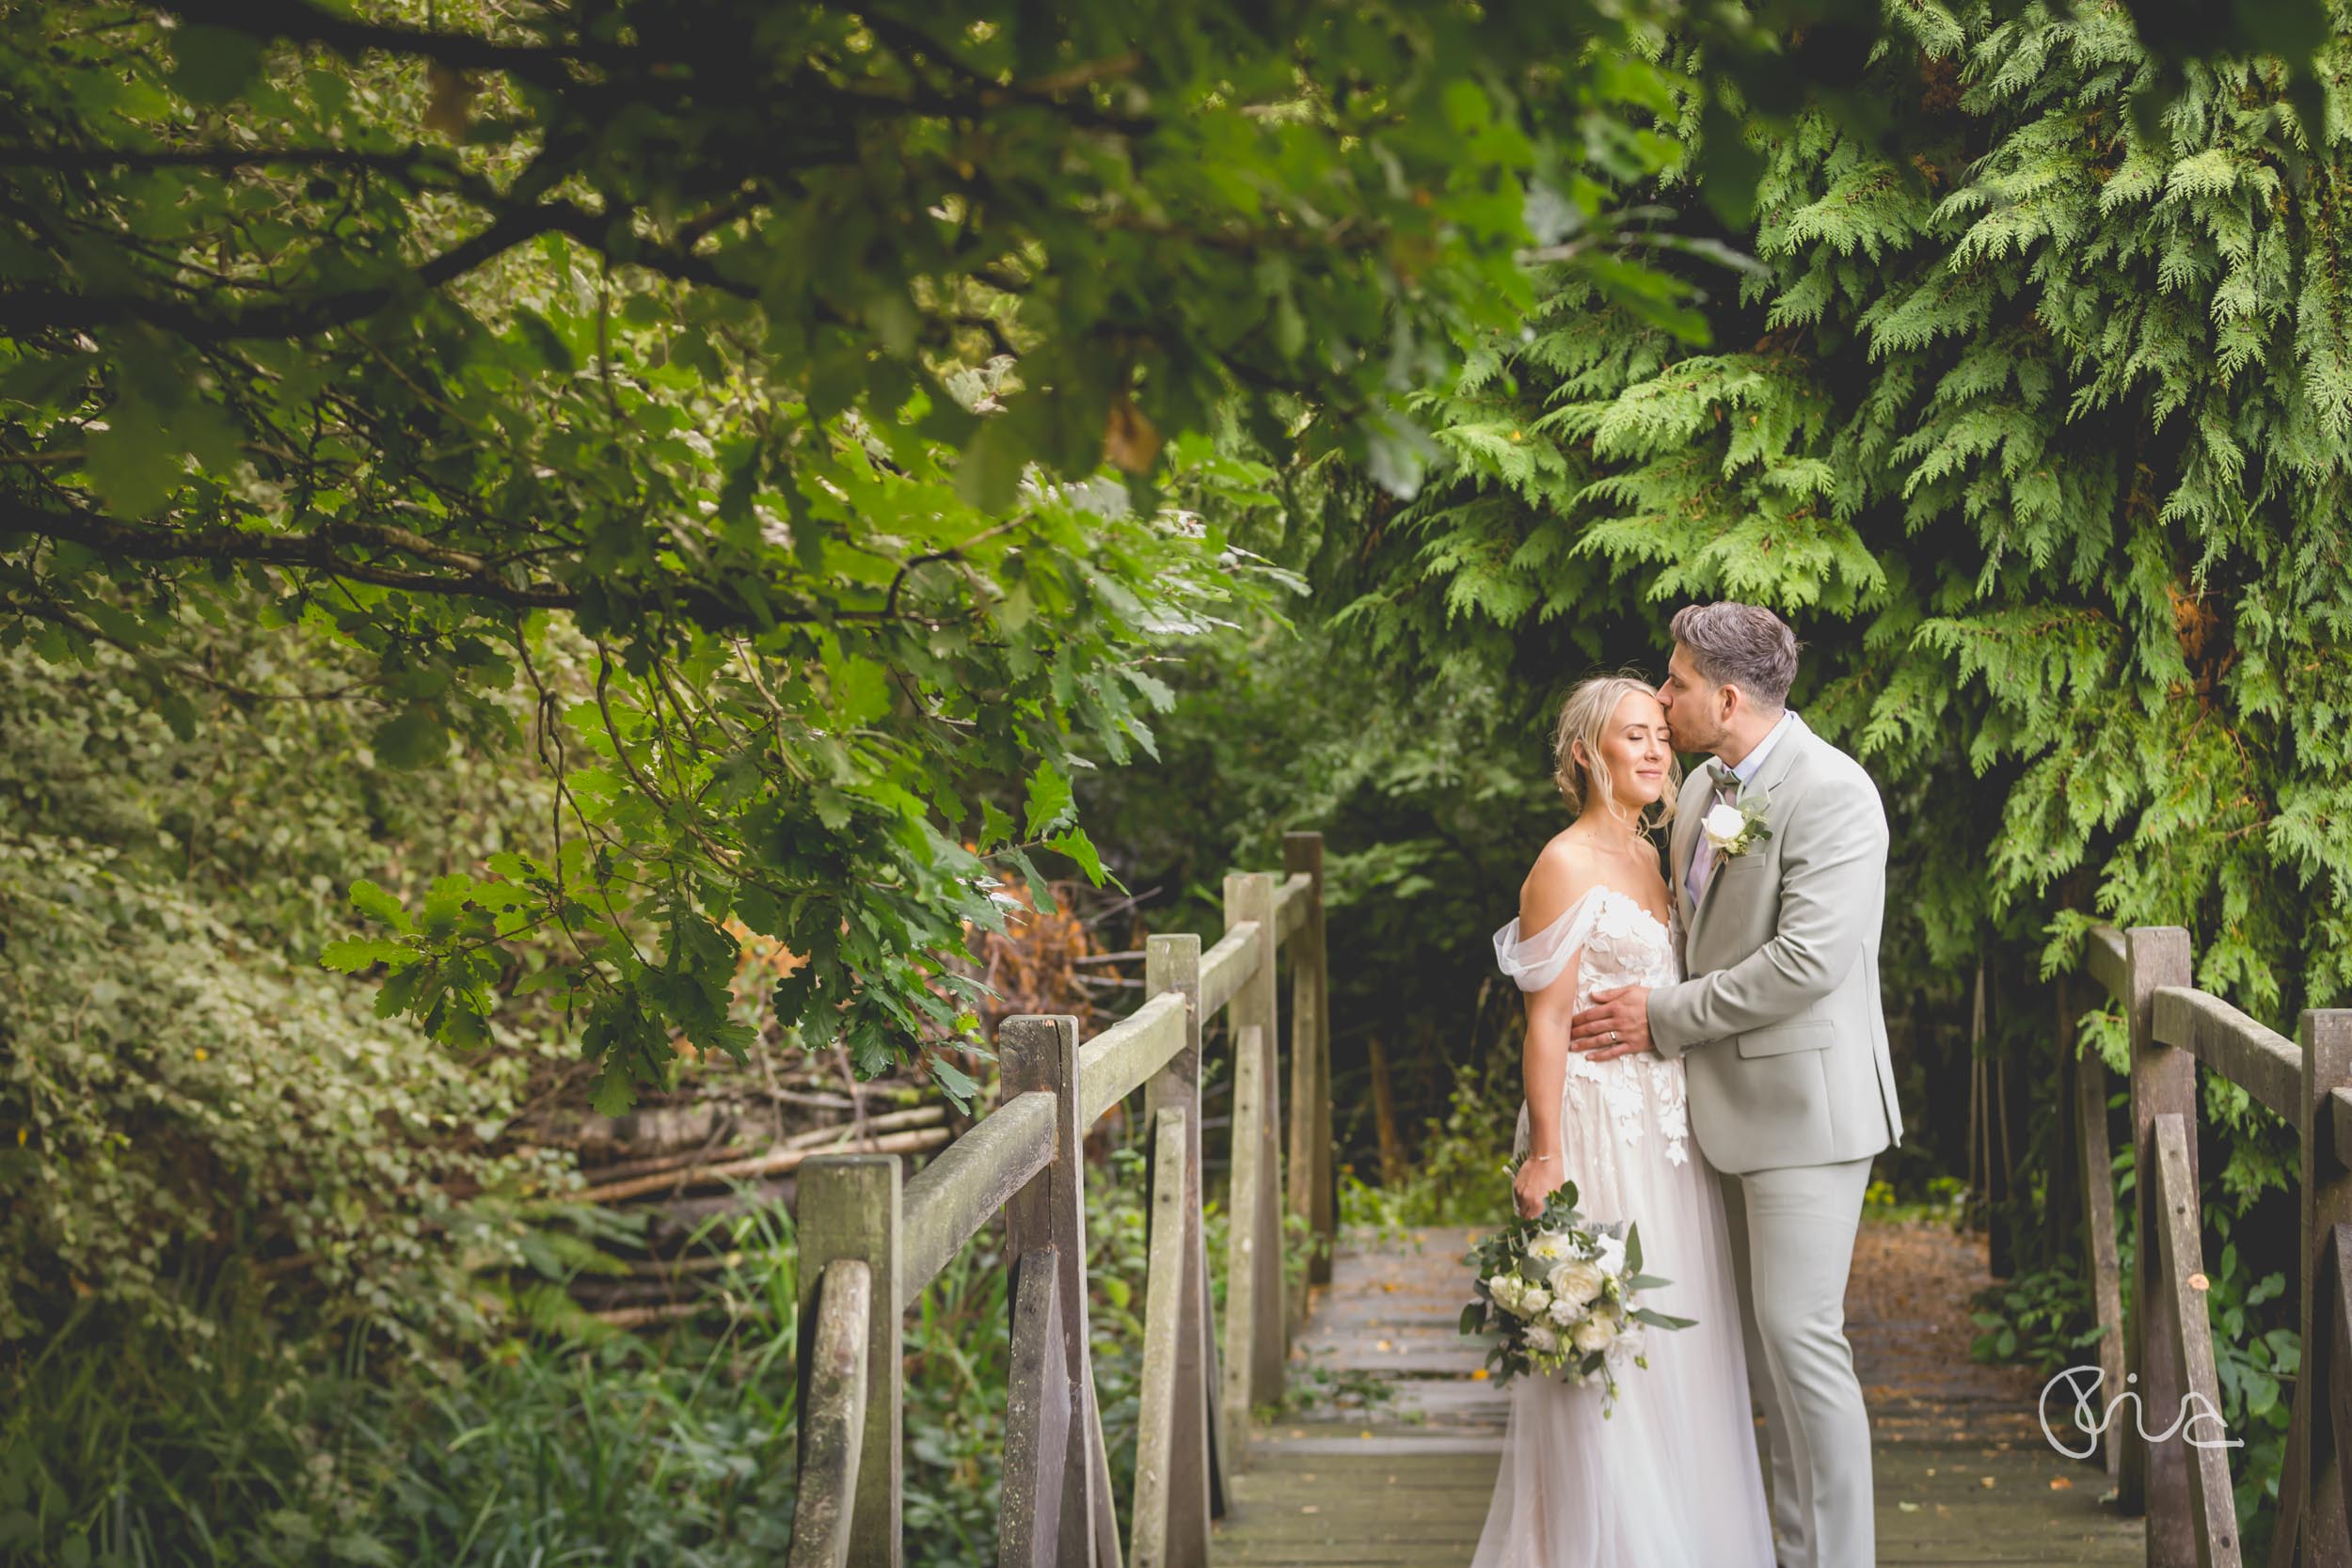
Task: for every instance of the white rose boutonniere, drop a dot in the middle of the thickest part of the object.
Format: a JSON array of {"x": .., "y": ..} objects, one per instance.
[{"x": 1735, "y": 829}]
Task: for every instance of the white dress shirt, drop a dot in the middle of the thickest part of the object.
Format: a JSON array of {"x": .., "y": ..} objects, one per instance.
[{"x": 1703, "y": 853}]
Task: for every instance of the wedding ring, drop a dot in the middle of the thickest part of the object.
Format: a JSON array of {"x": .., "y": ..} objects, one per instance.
[{"x": 1612, "y": 1036}]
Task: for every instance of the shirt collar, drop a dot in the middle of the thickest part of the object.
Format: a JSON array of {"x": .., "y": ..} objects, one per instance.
[{"x": 1754, "y": 759}]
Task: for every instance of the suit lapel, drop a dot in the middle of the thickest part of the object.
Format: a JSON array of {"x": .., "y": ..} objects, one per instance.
[{"x": 1769, "y": 777}]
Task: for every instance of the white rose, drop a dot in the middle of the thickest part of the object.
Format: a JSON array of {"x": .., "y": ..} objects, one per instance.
[
  {"x": 1595, "y": 1332},
  {"x": 1541, "y": 1339},
  {"x": 1549, "y": 1246},
  {"x": 1503, "y": 1287},
  {"x": 1578, "y": 1280},
  {"x": 1723, "y": 823},
  {"x": 1534, "y": 1300}
]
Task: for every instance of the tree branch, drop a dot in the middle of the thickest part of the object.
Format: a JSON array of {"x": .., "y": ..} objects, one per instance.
[{"x": 293, "y": 19}]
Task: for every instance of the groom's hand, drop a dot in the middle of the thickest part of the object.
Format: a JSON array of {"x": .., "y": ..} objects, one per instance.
[{"x": 1616, "y": 1024}]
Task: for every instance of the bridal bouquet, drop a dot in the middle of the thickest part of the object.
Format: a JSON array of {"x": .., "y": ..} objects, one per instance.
[{"x": 1558, "y": 1292}]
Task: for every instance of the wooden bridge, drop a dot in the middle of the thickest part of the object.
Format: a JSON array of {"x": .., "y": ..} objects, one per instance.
[{"x": 1964, "y": 1472}]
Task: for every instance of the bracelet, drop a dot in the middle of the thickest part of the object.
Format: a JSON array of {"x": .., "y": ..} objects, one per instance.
[{"x": 1542, "y": 1158}]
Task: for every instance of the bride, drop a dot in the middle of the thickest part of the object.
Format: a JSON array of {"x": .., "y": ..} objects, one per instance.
[{"x": 1671, "y": 1479}]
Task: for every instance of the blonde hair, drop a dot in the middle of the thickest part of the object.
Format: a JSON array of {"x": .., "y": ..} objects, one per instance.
[{"x": 1583, "y": 715}]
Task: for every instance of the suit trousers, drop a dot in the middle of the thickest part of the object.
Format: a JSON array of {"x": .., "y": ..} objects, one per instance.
[{"x": 1792, "y": 1235}]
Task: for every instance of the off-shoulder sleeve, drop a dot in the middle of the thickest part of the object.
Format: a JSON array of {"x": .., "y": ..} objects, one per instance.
[{"x": 1537, "y": 961}]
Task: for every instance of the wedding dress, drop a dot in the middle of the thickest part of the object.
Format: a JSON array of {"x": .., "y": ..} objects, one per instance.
[{"x": 1670, "y": 1479}]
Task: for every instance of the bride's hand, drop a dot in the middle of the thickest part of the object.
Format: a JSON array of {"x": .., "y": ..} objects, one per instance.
[{"x": 1534, "y": 1182}]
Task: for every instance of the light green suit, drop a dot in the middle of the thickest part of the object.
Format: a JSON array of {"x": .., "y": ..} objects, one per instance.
[{"x": 1782, "y": 1044}]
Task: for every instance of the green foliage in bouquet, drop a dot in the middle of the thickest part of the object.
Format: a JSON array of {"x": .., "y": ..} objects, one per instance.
[{"x": 1518, "y": 1283}]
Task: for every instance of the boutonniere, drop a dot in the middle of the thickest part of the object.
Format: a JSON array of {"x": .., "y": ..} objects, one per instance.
[{"x": 1736, "y": 828}]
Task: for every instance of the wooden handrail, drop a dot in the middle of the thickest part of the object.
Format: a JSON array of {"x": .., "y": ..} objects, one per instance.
[
  {"x": 973, "y": 1177},
  {"x": 1025, "y": 1159},
  {"x": 1291, "y": 896},
  {"x": 1228, "y": 966},
  {"x": 1122, "y": 1058},
  {"x": 2260, "y": 1061},
  {"x": 2183, "y": 1487}
]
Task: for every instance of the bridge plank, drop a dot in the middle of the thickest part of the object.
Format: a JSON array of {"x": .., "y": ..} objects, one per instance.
[{"x": 1409, "y": 1483}]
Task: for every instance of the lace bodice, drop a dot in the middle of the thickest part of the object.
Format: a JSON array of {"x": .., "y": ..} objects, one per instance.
[{"x": 1623, "y": 945}]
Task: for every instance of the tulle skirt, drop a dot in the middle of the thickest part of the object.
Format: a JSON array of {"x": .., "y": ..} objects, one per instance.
[{"x": 1670, "y": 1479}]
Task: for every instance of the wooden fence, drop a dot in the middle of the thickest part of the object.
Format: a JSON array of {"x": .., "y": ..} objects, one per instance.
[
  {"x": 2164, "y": 1354},
  {"x": 870, "y": 1241}
]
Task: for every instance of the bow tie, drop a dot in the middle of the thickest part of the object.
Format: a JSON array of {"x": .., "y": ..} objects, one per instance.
[{"x": 1721, "y": 777}]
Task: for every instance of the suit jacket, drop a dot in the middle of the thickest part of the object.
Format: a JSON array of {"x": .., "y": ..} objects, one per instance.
[{"x": 1778, "y": 1026}]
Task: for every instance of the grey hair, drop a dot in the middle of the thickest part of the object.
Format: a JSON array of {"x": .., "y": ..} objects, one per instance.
[
  {"x": 1740, "y": 644},
  {"x": 1583, "y": 715}
]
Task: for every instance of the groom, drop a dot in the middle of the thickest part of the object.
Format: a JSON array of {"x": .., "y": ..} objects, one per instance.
[{"x": 1778, "y": 863}]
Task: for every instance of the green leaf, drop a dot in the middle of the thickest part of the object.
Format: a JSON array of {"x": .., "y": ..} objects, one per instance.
[
  {"x": 1050, "y": 799},
  {"x": 861, "y": 690},
  {"x": 134, "y": 466},
  {"x": 413, "y": 737},
  {"x": 211, "y": 65},
  {"x": 612, "y": 1092},
  {"x": 1079, "y": 847},
  {"x": 379, "y": 905},
  {"x": 988, "y": 475},
  {"x": 958, "y": 1085},
  {"x": 544, "y": 341},
  {"x": 350, "y": 955}
]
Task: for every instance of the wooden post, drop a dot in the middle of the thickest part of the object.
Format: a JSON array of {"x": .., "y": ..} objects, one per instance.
[
  {"x": 1038, "y": 1430},
  {"x": 849, "y": 1208},
  {"x": 1310, "y": 1191},
  {"x": 2312, "y": 1531},
  {"x": 1166, "y": 1329},
  {"x": 1393, "y": 1171},
  {"x": 833, "y": 1420},
  {"x": 1256, "y": 1324},
  {"x": 1039, "y": 1052},
  {"x": 2107, "y": 1277},
  {"x": 1247, "y": 1289},
  {"x": 2212, "y": 1508},
  {"x": 1193, "y": 1487},
  {"x": 2154, "y": 1478},
  {"x": 2062, "y": 1208}
]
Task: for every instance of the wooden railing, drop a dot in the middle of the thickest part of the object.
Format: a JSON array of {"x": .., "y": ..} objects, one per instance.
[
  {"x": 870, "y": 1241},
  {"x": 2165, "y": 1354}
]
